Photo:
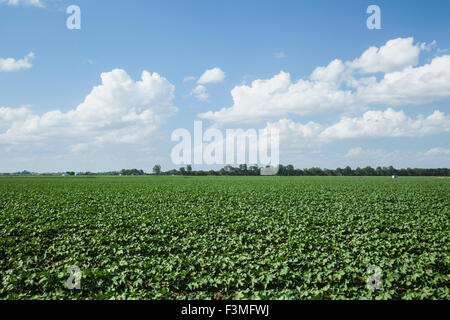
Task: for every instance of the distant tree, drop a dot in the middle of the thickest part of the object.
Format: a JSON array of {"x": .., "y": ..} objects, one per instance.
[
  {"x": 290, "y": 170},
  {"x": 347, "y": 171},
  {"x": 229, "y": 170},
  {"x": 131, "y": 172},
  {"x": 172, "y": 172},
  {"x": 317, "y": 171},
  {"x": 281, "y": 170},
  {"x": 379, "y": 171},
  {"x": 182, "y": 171},
  {"x": 392, "y": 171},
  {"x": 368, "y": 171},
  {"x": 157, "y": 169},
  {"x": 253, "y": 170},
  {"x": 189, "y": 169},
  {"x": 243, "y": 171}
]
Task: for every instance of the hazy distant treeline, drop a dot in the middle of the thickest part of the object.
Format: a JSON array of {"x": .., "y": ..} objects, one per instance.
[
  {"x": 290, "y": 170},
  {"x": 244, "y": 170}
]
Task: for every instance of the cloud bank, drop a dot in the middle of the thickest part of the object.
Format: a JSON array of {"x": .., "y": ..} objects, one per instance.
[
  {"x": 371, "y": 125},
  {"x": 11, "y": 64},
  {"x": 388, "y": 75},
  {"x": 214, "y": 75},
  {"x": 33, "y": 3},
  {"x": 119, "y": 110}
]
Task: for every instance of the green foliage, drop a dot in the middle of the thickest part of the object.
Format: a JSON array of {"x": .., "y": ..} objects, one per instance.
[
  {"x": 132, "y": 172},
  {"x": 224, "y": 237},
  {"x": 157, "y": 169}
]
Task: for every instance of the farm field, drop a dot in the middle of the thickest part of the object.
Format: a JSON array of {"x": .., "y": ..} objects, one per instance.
[{"x": 224, "y": 237}]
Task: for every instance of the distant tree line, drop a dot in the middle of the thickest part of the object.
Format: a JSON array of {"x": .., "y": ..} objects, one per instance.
[
  {"x": 289, "y": 170},
  {"x": 253, "y": 170}
]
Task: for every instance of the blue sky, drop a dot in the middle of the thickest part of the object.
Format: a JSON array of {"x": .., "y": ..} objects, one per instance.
[{"x": 247, "y": 40}]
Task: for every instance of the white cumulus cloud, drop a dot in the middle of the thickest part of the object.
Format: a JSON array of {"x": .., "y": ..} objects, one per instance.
[
  {"x": 331, "y": 73},
  {"x": 11, "y": 64},
  {"x": 417, "y": 85},
  {"x": 438, "y": 152},
  {"x": 388, "y": 123},
  {"x": 119, "y": 110},
  {"x": 355, "y": 152},
  {"x": 200, "y": 92},
  {"x": 371, "y": 125},
  {"x": 34, "y": 3},
  {"x": 395, "y": 55},
  {"x": 279, "y": 96},
  {"x": 383, "y": 157},
  {"x": 344, "y": 86},
  {"x": 280, "y": 55},
  {"x": 188, "y": 79},
  {"x": 213, "y": 75}
]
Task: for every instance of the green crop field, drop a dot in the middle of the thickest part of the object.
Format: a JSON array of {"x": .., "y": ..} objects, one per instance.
[{"x": 224, "y": 237}]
